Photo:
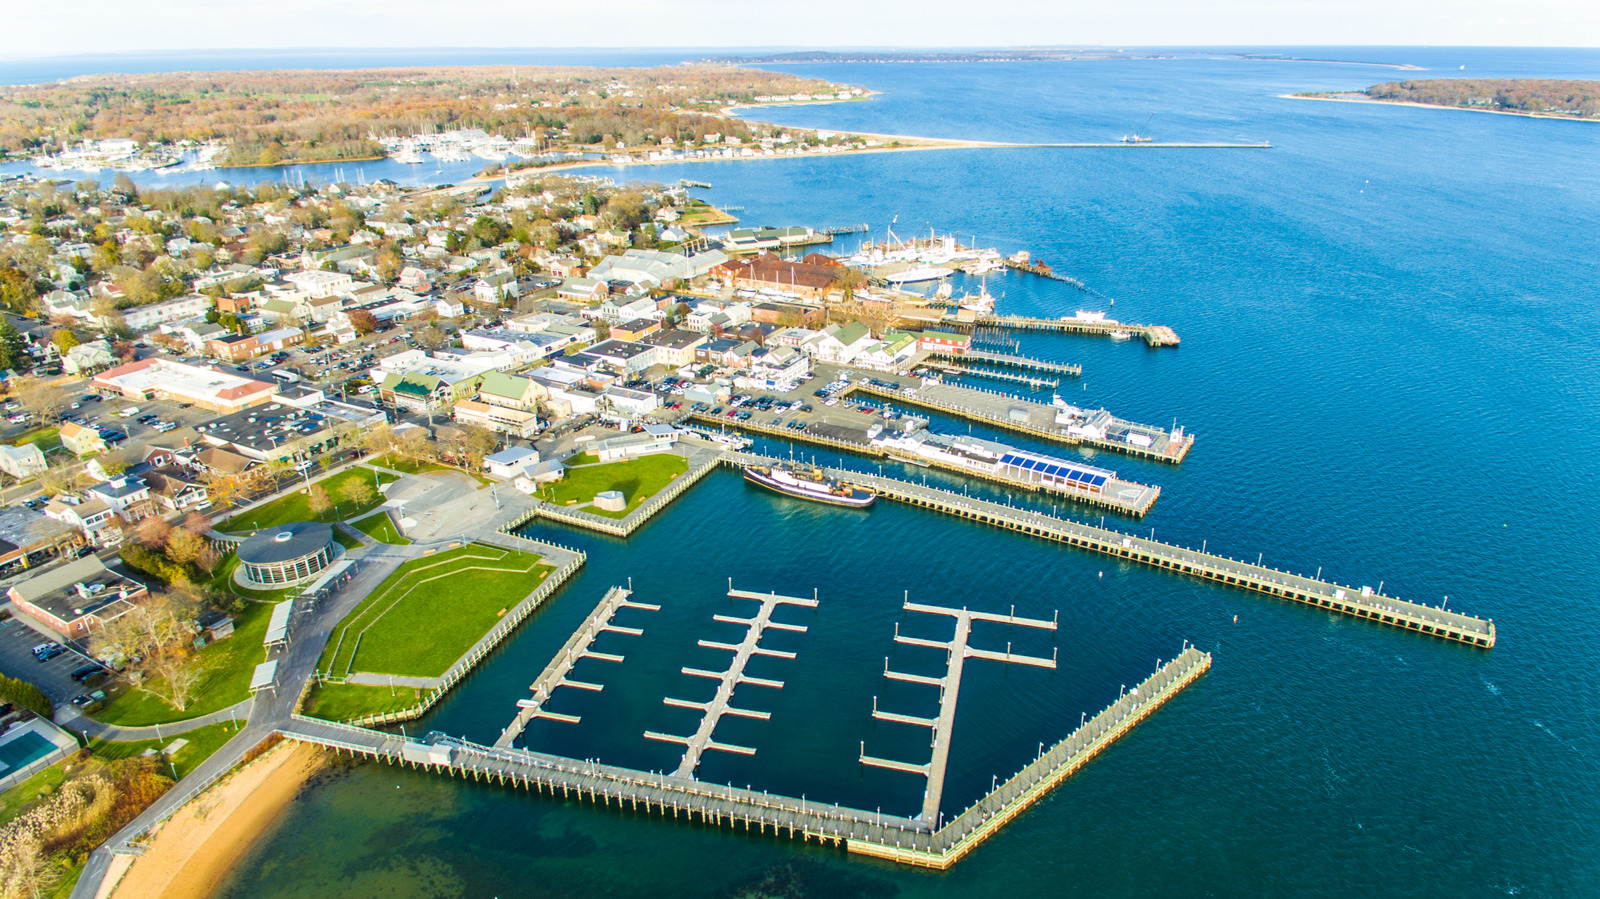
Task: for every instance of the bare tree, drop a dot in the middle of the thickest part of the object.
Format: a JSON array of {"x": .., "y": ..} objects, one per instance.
[
  {"x": 42, "y": 398},
  {"x": 159, "y": 633},
  {"x": 153, "y": 532},
  {"x": 357, "y": 491},
  {"x": 317, "y": 500}
]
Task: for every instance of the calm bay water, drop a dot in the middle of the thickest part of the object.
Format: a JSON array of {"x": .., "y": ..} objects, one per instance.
[{"x": 1390, "y": 358}]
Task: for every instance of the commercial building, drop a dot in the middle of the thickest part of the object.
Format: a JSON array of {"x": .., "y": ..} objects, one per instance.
[
  {"x": 77, "y": 598},
  {"x": 160, "y": 378},
  {"x": 287, "y": 554},
  {"x": 502, "y": 419}
]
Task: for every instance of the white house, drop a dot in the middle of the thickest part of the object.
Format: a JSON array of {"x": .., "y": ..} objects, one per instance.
[
  {"x": 514, "y": 462},
  {"x": 23, "y": 461}
]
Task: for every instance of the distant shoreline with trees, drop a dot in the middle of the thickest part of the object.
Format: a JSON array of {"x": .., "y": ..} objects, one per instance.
[{"x": 1528, "y": 97}]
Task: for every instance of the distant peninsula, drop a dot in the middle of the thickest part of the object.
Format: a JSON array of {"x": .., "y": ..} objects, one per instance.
[
  {"x": 1538, "y": 97},
  {"x": 1009, "y": 54}
]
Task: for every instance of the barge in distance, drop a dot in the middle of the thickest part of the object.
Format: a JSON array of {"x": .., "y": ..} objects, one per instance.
[{"x": 808, "y": 482}]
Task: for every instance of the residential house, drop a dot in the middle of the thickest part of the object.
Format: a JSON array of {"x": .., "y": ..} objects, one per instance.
[
  {"x": 22, "y": 461},
  {"x": 94, "y": 519},
  {"x": 81, "y": 440}
]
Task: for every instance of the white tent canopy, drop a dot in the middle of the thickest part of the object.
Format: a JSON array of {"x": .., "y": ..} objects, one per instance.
[{"x": 266, "y": 674}]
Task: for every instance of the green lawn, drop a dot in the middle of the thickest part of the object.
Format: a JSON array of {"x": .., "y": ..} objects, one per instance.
[
  {"x": 294, "y": 507},
  {"x": 229, "y": 664},
  {"x": 588, "y": 458},
  {"x": 48, "y": 440},
  {"x": 431, "y": 610},
  {"x": 201, "y": 743},
  {"x": 345, "y": 540},
  {"x": 638, "y": 479},
  {"x": 342, "y": 702},
  {"x": 380, "y": 527}
]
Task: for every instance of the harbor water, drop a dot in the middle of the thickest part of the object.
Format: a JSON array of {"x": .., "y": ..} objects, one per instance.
[{"x": 1390, "y": 358}]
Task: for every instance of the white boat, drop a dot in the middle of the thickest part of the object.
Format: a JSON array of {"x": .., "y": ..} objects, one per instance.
[{"x": 1120, "y": 335}]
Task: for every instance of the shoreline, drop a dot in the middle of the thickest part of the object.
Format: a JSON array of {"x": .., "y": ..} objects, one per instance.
[
  {"x": 193, "y": 851},
  {"x": 1509, "y": 112}
]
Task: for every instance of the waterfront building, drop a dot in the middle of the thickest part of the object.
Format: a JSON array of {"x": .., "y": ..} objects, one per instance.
[{"x": 287, "y": 554}]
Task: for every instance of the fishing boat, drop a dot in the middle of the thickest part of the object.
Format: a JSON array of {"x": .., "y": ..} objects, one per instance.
[
  {"x": 808, "y": 482},
  {"x": 1120, "y": 335}
]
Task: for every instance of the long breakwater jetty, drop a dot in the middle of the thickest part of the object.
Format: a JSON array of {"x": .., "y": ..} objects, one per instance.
[
  {"x": 1153, "y": 335},
  {"x": 578, "y": 647},
  {"x": 1362, "y": 602},
  {"x": 956, "y": 651},
  {"x": 1013, "y": 361},
  {"x": 900, "y": 839},
  {"x": 1068, "y": 425}
]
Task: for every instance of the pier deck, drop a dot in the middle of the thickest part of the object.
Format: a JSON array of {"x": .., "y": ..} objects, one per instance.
[
  {"x": 1039, "y": 419},
  {"x": 1153, "y": 335},
  {"x": 1358, "y": 602},
  {"x": 956, "y": 653},
  {"x": 700, "y": 741},
  {"x": 899, "y": 839},
  {"x": 1011, "y": 361},
  {"x": 575, "y": 649}
]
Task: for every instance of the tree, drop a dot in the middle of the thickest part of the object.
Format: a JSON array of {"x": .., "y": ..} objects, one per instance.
[
  {"x": 432, "y": 337},
  {"x": 221, "y": 489},
  {"x": 363, "y": 321},
  {"x": 357, "y": 492},
  {"x": 153, "y": 532},
  {"x": 19, "y": 292},
  {"x": 42, "y": 398},
  {"x": 64, "y": 339},
  {"x": 185, "y": 547},
  {"x": 317, "y": 500},
  {"x": 158, "y": 632},
  {"x": 14, "y": 354}
]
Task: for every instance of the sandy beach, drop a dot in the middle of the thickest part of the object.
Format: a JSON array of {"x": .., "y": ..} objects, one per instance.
[{"x": 195, "y": 849}]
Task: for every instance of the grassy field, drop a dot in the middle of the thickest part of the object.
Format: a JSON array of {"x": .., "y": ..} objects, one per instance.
[
  {"x": 345, "y": 540},
  {"x": 200, "y": 744},
  {"x": 638, "y": 479},
  {"x": 380, "y": 527},
  {"x": 229, "y": 664},
  {"x": 588, "y": 458},
  {"x": 48, "y": 440},
  {"x": 294, "y": 507},
  {"x": 341, "y": 702},
  {"x": 430, "y": 611}
]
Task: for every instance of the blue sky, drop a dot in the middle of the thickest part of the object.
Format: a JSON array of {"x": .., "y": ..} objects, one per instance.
[{"x": 122, "y": 26}]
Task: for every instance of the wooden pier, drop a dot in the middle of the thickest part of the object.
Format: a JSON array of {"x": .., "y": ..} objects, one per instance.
[
  {"x": 1153, "y": 335},
  {"x": 904, "y": 840},
  {"x": 1023, "y": 362},
  {"x": 1009, "y": 376},
  {"x": 1362, "y": 602},
  {"x": 994, "y": 408},
  {"x": 957, "y": 651},
  {"x": 697, "y": 743},
  {"x": 576, "y": 649}
]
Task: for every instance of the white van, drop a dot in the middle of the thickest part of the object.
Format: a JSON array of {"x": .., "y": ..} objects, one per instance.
[{"x": 129, "y": 412}]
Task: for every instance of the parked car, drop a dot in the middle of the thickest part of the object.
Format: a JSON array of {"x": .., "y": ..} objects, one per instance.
[{"x": 86, "y": 672}]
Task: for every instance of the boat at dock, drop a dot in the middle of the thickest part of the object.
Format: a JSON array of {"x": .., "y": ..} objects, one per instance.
[{"x": 808, "y": 482}]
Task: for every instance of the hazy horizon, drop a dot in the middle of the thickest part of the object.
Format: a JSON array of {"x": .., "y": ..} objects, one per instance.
[{"x": 192, "y": 26}]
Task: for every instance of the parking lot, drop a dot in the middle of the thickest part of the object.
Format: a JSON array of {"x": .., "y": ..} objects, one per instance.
[{"x": 54, "y": 677}]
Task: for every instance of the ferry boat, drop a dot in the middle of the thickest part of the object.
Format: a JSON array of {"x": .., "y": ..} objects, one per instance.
[{"x": 808, "y": 482}]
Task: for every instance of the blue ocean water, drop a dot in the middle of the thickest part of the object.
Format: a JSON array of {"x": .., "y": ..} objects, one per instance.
[{"x": 1390, "y": 360}]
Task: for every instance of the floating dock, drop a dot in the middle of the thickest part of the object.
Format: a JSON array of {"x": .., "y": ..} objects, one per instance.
[
  {"x": 1009, "y": 376},
  {"x": 956, "y": 651},
  {"x": 1012, "y": 361},
  {"x": 577, "y": 648},
  {"x": 1360, "y": 602},
  {"x": 1153, "y": 335},
  {"x": 700, "y": 741},
  {"x": 1024, "y": 416},
  {"x": 899, "y": 839}
]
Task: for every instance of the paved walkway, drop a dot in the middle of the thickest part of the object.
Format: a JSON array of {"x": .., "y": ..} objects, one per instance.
[
  {"x": 364, "y": 679},
  {"x": 101, "y": 731}
]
